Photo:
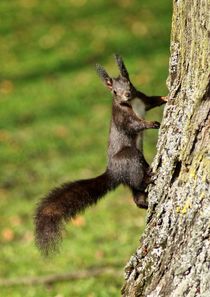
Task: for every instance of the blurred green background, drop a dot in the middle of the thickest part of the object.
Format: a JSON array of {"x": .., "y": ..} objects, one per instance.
[{"x": 54, "y": 122}]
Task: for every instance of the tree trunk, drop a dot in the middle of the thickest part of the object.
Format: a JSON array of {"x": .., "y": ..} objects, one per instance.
[{"x": 174, "y": 256}]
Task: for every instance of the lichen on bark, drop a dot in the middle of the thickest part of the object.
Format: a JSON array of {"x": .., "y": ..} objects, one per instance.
[{"x": 174, "y": 255}]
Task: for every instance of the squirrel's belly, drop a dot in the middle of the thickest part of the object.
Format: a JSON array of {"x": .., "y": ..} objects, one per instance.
[{"x": 138, "y": 107}]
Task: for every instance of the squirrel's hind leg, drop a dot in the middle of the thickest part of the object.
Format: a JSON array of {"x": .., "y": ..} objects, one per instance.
[
  {"x": 140, "y": 198},
  {"x": 140, "y": 194}
]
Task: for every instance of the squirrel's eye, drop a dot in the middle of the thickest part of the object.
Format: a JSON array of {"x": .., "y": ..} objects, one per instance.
[{"x": 115, "y": 92}]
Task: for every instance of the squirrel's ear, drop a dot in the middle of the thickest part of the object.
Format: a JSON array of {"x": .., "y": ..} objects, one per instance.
[
  {"x": 121, "y": 66},
  {"x": 104, "y": 76}
]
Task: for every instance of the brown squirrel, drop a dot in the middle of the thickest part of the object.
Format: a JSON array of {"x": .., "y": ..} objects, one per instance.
[{"x": 126, "y": 163}]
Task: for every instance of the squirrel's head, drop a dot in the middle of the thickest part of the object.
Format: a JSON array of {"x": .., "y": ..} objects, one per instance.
[{"x": 121, "y": 87}]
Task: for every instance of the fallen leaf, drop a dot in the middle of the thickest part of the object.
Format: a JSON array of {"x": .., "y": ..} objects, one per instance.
[
  {"x": 7, "y": 234},
  {"x": 6, "y": 86},
  {"x": 99, "y": 254},
  {"x": 15, "y": 220},
  {"x": 61, "y": 131}
]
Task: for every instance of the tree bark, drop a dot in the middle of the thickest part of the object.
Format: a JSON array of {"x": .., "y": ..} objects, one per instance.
[{"x": 174, "y": 255}]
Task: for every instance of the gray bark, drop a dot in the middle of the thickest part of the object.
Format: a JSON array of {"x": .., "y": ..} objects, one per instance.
[{"x": 174, "y": 254}]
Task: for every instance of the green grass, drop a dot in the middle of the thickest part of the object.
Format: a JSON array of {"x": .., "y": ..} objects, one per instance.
[{"x": 54, "y": 121}]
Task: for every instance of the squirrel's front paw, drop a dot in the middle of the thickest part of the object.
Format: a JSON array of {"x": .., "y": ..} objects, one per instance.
[
  {"x": 155, "y": 125},
  {"x": 140, "y": 200},
  {"x": 164, "y": 98},
  {"x": 149, "y": 172}
]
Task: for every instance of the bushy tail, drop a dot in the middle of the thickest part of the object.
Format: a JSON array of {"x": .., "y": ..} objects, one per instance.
[{"x": 64, "y": 203}]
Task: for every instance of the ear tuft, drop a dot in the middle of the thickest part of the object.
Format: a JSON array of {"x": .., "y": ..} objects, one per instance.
[
  {"x": 104, "y": 76},
  {"x": 101, "y": 71},
  {"x": 121, "y": 66}
]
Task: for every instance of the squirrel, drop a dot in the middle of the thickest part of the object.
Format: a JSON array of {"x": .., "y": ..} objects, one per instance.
[{"x": 126, "y": 163}]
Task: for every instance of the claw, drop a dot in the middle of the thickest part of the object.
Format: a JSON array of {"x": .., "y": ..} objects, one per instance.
[{"x": 164, "y": 98}]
